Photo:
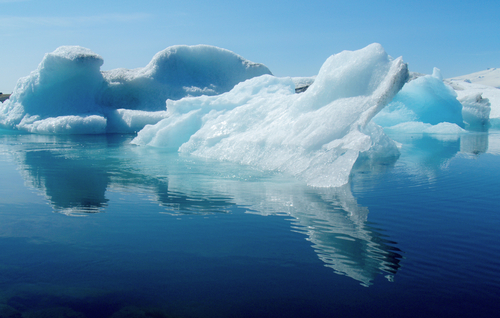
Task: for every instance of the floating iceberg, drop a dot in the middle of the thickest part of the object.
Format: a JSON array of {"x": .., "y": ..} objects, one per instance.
[
  {"x": 317, "y": 135},
  {"x": 68, "y": 94}
]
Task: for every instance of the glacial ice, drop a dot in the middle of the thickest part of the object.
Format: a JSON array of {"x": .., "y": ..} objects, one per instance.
[
  {"x": 317, "y": 135},
  {"x": 68, "y": 94}
]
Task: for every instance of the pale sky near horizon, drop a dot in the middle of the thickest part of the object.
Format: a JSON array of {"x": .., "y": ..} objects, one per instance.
[{"x": 292, "y": 38}]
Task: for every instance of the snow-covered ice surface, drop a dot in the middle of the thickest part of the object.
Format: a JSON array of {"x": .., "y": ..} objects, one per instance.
[{"x": 488, "y": 77}]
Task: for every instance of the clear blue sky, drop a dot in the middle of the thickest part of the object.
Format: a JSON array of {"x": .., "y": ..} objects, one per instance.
[{"x": 293, "y": 38}]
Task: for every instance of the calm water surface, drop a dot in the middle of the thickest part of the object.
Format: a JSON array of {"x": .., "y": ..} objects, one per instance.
[{"x": 91, "y": 226}]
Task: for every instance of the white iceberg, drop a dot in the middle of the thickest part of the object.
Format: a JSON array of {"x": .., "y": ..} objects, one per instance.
[{"x": 317, "y": 135}]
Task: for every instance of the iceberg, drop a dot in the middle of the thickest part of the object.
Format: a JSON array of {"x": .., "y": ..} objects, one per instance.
[
  {"x": 68, "y": 94},
  {"x": 317, "y": 135},
  {"x": 427, "y": 104}
]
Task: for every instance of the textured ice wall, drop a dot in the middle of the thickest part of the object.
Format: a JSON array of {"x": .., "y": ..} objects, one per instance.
[
  {"x": 317, "y": 135},
  {"x": 68, "y": 94}
]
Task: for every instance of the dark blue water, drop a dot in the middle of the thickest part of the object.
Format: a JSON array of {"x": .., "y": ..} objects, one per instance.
[{"x": 91, "y": 226}]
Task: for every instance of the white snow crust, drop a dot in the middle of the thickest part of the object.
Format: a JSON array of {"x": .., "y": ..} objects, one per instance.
[{"x": 488, "y": 77}]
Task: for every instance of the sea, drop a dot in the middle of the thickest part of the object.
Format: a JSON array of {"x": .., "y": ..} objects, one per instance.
[{"x": 93, "y": 226}]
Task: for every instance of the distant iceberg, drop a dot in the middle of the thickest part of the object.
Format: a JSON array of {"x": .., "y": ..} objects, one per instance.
[{"x": 68, "y": 94}]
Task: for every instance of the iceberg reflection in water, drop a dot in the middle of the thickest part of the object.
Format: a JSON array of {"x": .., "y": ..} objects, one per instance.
[
  {"x": 74, "y": 179},
  {"x": 79, "y": 188}
]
